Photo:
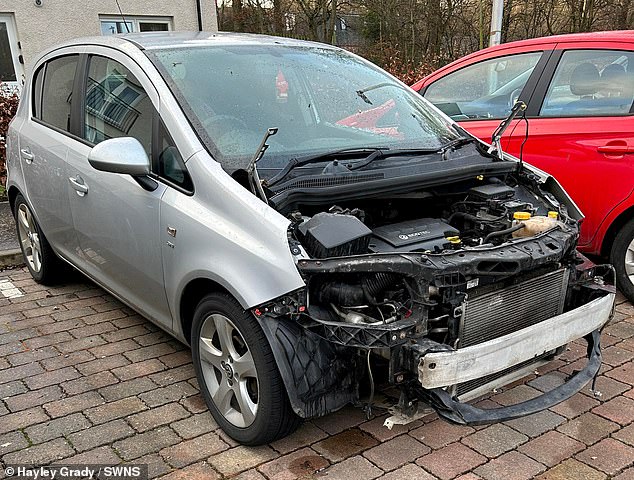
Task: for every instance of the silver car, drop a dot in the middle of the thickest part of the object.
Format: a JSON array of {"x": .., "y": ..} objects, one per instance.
[{"x": 312, "y": 227}]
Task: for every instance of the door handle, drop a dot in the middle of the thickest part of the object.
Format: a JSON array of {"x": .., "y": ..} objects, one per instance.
[
  {"x": 617, "y": 147},
  {"x": 26, "y": 155},
  {"x": 78, "y": 184}
]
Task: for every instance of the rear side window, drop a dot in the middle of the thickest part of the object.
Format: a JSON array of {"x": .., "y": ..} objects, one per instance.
[
  {"x": 57, "y": 91},
  {"x": 591, "y": 83},
  {"x": 116, "y": 104},
  {"x": 37, "y": 92},
  {"x": 487, "y": 89}
]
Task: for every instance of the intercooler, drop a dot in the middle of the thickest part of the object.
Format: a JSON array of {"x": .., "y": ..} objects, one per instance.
[{"x": 507, "y": 310}]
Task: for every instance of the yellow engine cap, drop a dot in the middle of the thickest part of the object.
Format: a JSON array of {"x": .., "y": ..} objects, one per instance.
[
  {"x": 553, "y": 214},
  {"x": 521, "y": 215},
  {"x": 454, "y": 240}
]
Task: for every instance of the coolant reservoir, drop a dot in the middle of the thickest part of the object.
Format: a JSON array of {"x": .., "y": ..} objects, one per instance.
[{"x": 532, "y": 225}]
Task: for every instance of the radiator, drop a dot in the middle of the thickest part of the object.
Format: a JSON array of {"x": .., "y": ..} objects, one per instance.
[
  {"x": 507, "y": 310},
  {"x": 504, "y": 311}
]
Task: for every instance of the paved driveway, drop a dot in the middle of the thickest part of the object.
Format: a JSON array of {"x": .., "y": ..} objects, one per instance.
[{"x": 86, "y": 380}]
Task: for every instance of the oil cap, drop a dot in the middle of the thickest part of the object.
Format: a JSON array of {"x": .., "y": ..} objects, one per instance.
[
  {"x": 521, "y": 216},
  {"x": 553, "y": 214}
]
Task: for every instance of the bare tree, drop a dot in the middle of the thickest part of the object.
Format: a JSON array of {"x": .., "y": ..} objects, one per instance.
[{"x": 410, "y": 36}]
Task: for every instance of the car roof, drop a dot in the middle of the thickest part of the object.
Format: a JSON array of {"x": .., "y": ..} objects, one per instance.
[
  {"x": 159, "y": 40},
  {"x": 608, "y": 36}
]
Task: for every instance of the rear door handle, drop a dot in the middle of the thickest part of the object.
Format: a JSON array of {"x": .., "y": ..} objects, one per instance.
[
  {"x": 78, "y": 184},
  {"x": 615, "y": 150},
  {"x": 26, "y": 155},
  {"x": 616, "y": 147}
]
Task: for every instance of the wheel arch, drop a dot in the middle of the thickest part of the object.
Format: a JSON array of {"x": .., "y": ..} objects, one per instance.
[
  {"x": 191, "y": 296},
  {"x": 13, "y": 193},
  {"x": 614, "y": 228}
]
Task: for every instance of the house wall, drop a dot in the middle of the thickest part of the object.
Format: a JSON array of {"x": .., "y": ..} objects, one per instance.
[{"x": 40, "y": 27}]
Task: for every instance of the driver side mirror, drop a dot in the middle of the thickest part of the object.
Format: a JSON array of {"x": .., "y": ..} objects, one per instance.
[{"x": 120, "y": 155}]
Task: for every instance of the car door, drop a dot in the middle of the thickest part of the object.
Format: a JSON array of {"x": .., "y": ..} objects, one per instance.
[
  {"x": 44, "y": 139},
  {"x": 481, "y": 91},
  {"x": 116, "y": 216},
  {"x": 581, "y": 128}
]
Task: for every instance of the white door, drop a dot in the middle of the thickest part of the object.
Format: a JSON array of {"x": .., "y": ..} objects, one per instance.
[{"x": 11, "y": 70}]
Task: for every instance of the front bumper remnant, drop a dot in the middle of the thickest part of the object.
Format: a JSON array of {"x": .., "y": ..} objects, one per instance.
[
  {"x": 440, "y": 369},
  {"x": 463, "y": 413}
]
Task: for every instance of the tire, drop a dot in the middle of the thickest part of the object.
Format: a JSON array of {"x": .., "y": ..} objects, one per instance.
[
  {"x": 237, "y": 373},
  {"x": 43, "y": 263},
  {"x": 622, "y": 257}
]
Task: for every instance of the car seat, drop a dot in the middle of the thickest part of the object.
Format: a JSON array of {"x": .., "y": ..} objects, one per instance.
[
  {"x": 614, "y": 79},
  {"x": 585, "y": 82}
]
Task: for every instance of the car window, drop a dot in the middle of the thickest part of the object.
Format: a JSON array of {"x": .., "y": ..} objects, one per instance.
[
  {"x": 59, "y": 75},
  {"x": 170, "y": 164},
  {"x": 591, "y": 83},
  {"x": 37, "y": 91},
  {"x": 320, "y": 99},
  {"x": 486, "y": 89},
  {"x": 116, "y": 104}
]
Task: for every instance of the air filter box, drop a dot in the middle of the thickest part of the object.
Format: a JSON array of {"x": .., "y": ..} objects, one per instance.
[
  {"x": 334, "y": 235},
  {"x": 492, "y": 191}
]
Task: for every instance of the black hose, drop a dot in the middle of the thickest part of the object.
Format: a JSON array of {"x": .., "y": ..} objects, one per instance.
[
  {"x": 506, "y": 231},
  {"x": 344, "y": 293},
  {"x": 372, "y": 286},
  {"x": 473, "y": 218}
]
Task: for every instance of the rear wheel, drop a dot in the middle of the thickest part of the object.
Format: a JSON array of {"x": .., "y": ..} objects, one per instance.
[
  {"x": 622, "y": 257},
  {"x": 45, "y": 266},
  {"x": 237, "y": 373}
]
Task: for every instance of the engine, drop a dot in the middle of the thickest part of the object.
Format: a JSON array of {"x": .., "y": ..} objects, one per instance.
[
  {"x": 475, "y": 217},
  {"x": 486, "y": 214}
]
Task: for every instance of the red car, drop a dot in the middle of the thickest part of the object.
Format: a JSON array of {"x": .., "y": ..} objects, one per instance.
[{"x": 579, "y": 91}]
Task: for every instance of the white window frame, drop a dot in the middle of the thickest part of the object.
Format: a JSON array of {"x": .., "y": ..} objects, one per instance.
[
  {"x": 136, "y": 21},
  {"x": 13, "y": 86}
]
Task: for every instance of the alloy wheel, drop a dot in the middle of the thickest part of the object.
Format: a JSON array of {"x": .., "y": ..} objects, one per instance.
[
  {"x": 629, "y": 261},
  {"x": 29, "y": 238},
  {"x": 229, "y": 370}
]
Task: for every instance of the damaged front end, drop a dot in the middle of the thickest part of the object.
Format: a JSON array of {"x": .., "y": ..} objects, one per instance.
[{"x": 443, "y": 294}]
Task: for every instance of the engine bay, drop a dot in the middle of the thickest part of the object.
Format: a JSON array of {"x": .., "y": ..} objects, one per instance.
[
  {"x": 431, "y": 222},
  {"x": 443, "y": 225}
]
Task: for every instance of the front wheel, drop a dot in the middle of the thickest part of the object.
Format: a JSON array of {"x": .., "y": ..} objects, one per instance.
[
  {"x": 622, "y": 257},
  {"x": 237, "y": 373}
]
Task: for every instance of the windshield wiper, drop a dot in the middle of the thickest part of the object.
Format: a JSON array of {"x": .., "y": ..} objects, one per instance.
[
  {"x": 455, "y": 144},
  {"x": 252, "y": 169},
  {"x": 376, "y": 153},
  {"x": 362, "y": 93},
  {"x": 300, "y": 162},
  {"x": 392, "y": 153},
  {"x": 461, "y": 131},
  {"x": 496, "y": 138}
]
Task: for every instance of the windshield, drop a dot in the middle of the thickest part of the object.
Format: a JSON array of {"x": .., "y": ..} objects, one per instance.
[{"x": 320, "y": 99}]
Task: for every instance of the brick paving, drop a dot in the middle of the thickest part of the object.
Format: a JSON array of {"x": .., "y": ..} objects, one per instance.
[{"x": 84, "y": 379}]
